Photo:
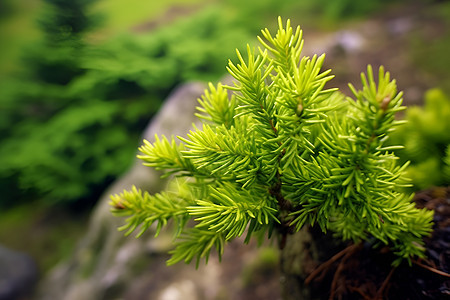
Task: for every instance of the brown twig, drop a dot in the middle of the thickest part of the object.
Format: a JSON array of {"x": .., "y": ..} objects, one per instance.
[
  {"x": 439, "y": 272},
  {"x": 339, "y": 270},
  {"x": 359, "y": 291},
  {"x": 326, "y": 265},
  {"x": 384, "y": 285}
]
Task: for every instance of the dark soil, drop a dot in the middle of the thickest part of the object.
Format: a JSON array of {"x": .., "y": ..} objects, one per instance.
[{"x": 359, "y": 272}]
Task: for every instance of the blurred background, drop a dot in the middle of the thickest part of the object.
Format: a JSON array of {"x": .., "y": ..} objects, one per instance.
[{"x": 81, "y": 79}]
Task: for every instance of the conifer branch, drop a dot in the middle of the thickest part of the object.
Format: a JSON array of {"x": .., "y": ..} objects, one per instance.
[
  {"x": 143, "y": 209},
  {"x": 197, "y": 243},
  {"x": 165, "y": 155},
  {"x": 217, "y": 107},
  {"x": 283, "y": 152}
]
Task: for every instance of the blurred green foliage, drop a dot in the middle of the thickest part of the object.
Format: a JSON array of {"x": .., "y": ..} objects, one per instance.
[
  {"x": 430, "y": 50},
  {"x": 77, "y": 118},
  {"x": 426, "y": 137},
  {"x": 335, "y": 10},
  {"x": 124, "y": 14},
  {"x": 17, "y": 28},
  {"x": 257, "y": 14}
]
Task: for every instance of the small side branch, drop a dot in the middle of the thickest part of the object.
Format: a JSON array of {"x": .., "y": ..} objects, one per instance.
[
  {"x": 384, "y": 285},
  {"x": 431, "y": 269},
  {"x": 339, "y": 270}
]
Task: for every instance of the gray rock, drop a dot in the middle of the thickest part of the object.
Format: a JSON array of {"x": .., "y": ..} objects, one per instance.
[
  {"x": 18, "y": 274},
  {"x": 349, "y": 41}
]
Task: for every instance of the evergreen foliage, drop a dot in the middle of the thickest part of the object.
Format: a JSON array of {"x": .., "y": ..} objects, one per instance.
[
  {"x": 71, "y": 139},
  {"x": 57, "y": 58},
  {"x": 426, "y": 137},
  {"x": 41, "y": 136},
  {"x": 282, "y": 152}
]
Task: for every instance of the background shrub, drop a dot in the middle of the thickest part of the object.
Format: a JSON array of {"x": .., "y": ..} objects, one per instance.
[
  {"x": 426, "y": 137},
  {"x": 75, "y": 133}
]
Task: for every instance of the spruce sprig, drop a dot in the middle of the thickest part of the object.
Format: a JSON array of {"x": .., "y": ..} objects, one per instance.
[
  {"x": 143, "y": 209},
  {"x": 216, "y": 107},
  {"x": 280, "y": 153}
]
